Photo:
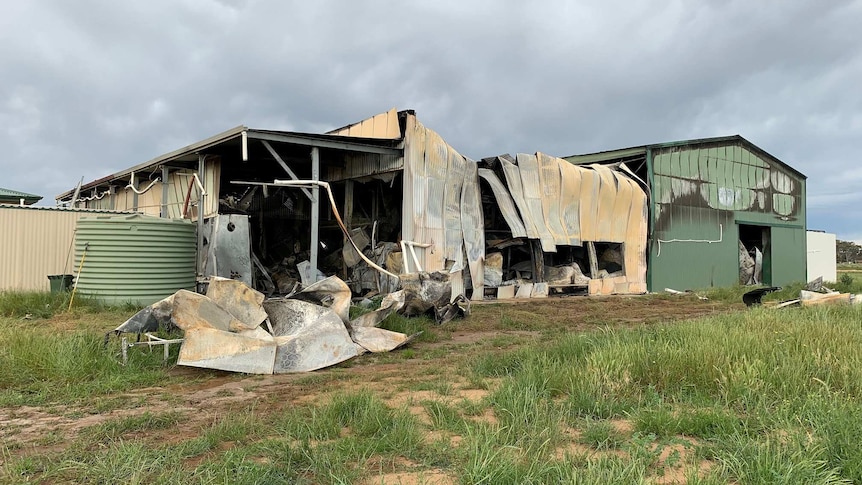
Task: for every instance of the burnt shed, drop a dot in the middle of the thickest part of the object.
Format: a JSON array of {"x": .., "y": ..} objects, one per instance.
[
  {"x": 722, "y": 211},
  {"x": 387, "y": 196}
]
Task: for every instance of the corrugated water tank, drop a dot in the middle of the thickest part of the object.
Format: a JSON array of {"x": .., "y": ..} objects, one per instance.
[{"x": 134, "y": 258}]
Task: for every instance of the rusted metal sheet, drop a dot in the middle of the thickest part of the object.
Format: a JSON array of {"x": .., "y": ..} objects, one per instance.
[
  {"x": 241, "y": 301},
  {"x": 528, "y": 166},
  {"x": 505, "y": 203},
  {"x": 191, "y": 310}
]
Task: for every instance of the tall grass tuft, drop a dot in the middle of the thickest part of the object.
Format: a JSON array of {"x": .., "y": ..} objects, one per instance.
[{"x": 36, "y": 367}]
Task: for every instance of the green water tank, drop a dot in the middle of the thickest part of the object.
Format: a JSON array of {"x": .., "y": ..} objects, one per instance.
[{"x": 134, "y": 258}]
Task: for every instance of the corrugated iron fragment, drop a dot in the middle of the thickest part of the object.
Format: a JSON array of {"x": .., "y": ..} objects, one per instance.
[{"x": 505, "y": 203}]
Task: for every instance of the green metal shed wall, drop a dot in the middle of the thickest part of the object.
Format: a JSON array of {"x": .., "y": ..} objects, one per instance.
[{"x": 700, "y": 196}]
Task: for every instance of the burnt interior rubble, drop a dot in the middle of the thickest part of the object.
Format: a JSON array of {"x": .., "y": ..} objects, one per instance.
[{"x": 279, "y": 223}]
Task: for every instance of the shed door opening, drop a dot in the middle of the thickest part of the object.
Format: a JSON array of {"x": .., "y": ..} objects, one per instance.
[{"x": 755, "y": 255}]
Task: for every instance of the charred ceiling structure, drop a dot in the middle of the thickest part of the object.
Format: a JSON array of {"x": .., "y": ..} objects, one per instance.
[
  {"x": 722, "y": 211},
  {"x": 385, "y": 198}
]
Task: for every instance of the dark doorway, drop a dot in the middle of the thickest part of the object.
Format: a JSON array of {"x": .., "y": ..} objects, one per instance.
[{"x": 757, "y": 243}]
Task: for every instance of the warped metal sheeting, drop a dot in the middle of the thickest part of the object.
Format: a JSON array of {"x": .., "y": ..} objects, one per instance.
[
  {"x": 307, "y": 331},
  {"x": 504, "y": 202}
]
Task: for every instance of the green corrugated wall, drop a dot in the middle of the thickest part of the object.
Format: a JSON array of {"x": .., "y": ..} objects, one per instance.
[
  {"x": 134, "y": 258},
  {"x": 701, "y": 194}
]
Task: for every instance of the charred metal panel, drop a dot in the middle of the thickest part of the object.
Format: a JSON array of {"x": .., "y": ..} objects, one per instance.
[
  {"x": 359, "y": 165},
  {"x": 550, "y": 182},
  {"x": 516, "y": 188},
  {"x": 505, "y": 203},
  {"x": 570, "y": 201},
  {"x": 436, "y": 166},
  {"x": 729, "y": 177},
  {"x": 454, "y": 248},
  {"x": 528, "y": 166},
  {"x": 473, "y": 227}
]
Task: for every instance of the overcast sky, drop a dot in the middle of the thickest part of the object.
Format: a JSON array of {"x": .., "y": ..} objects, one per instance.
[{"x": 88, "y": 88}]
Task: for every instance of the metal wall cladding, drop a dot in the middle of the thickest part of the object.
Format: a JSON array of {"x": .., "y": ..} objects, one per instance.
[
  {"x": 35, "y": 242},
  {"x": 134, "y": 258},
  {"x": 358, "y": 165},
  {"x": 384, "y": 125},
  {"x": 701, "y": 193},
  {"x": 729, "y": 177},
  {"x": 150, "y": 202}
]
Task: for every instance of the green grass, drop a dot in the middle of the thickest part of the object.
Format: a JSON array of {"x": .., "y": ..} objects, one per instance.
[{"x": 764, "y": 396}]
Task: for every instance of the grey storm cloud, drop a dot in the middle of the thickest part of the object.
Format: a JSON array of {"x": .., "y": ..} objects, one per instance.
[{"x": 91, "y": 87}]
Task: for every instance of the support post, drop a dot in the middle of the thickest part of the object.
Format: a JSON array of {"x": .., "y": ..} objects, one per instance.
[
  {"x": 164, "y": 211},
  {"x": 202, "y": 160},
  {"x": 348, "y": 216},
  {"x": 538, "y": 258},
  {"x": 315, "y": 212},
  {"x": 134, "y": 183},
  {"x": 594, "y": 262}
]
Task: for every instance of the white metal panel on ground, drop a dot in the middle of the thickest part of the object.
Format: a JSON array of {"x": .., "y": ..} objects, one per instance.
[
  {"x": 505, "y": 203},
  {"x": 36, "y": 242},
  {"x": 822, "y": 260}
]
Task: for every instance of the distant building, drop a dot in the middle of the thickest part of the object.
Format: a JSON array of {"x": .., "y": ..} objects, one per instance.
[
  {"x": 719, "y": 208},
  {"x": 8, "y": 196},
  {"x": 822, "y": 257}
]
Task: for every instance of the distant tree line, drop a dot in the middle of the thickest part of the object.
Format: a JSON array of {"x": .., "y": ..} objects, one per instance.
[{"x": 848, "y": 251}]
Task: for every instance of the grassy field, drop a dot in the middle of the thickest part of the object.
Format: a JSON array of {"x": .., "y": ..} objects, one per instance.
[{"x": 655, "y": 389}]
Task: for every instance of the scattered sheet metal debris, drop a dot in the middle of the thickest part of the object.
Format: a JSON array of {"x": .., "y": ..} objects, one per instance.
[
  {"x": 752, "y": 298},
  {"x": 234, "y": 328},
  {"x": 816, "y": 294}
]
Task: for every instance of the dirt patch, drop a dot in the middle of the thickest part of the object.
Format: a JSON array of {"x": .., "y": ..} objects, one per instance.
[{"x": 425, "y": 477}]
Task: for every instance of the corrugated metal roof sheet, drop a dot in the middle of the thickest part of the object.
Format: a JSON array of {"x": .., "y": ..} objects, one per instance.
[
  {"x": 384, "y": 125},
  {"x": 63, "y": 209},
  {"x": 9, "y": 194}
]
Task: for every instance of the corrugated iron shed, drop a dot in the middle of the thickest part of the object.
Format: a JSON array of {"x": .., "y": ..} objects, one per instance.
[{"x": 710, "y": 195}]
